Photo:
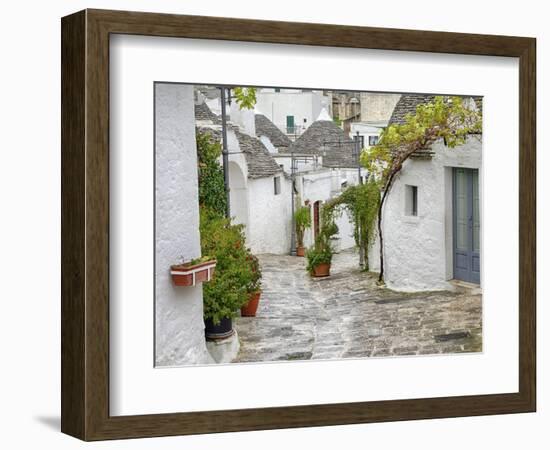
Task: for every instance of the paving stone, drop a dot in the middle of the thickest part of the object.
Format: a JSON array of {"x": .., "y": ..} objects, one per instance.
[{"x": 347, "y": 315}]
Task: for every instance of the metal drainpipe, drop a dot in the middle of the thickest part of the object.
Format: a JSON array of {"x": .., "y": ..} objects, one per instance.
[
  {"x": 225, "y": 155},
  {"x": 293, "y": 226},
  {"x": 359, "y": 181},
  {"x": 358, "y": 150}
]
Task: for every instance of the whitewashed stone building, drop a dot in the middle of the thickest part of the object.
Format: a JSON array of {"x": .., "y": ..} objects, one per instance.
[
  {"x": 369, "y": 134},
  {"x": 260, "y": 181},
  {"x": 179, "y": 325},
  {"x": 292, "y": 110},
  {"x": 272, "y": 137},
  {"x": 325, "y": 162},
  {"x": 376, "y": 111},
  {"x": 260, "y": 191},
  {"x": 433, "y": 216}
]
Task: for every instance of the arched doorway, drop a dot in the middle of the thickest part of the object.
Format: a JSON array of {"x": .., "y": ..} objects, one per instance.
[{"x": 238, "y": 195}]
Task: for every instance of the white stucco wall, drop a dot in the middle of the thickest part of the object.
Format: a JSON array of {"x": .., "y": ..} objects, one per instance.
[
  {"x": 266, "y": 216},
  {"x": 214, "y": 104},
  {"x": 270, "y": 216},
  {"x": 418, "y": 250},
  {"x": 268, "y": 144},
  {"x": 179, "y": 325},
  {"x": 366, "y": 131},
  {"x": 245, "y": 118},
  {"x": 238, "y": 193},
  {"x": 302, "y": 105},
  {"x": 322, "y": 185}
]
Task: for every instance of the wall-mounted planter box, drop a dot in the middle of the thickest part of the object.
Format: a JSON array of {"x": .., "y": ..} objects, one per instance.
[{"x": 192, "y": 274}]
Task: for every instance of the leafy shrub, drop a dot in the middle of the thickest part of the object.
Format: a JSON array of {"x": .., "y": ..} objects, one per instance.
[
  {"x": 234, "y": 276},
  {"x": 211, "y": 183},
  {"x": 322, "y": 250},
  {"x": 255, "y": 283},
  {"x": 318, "y": 255},
  {"x": 302, "y": 219},
  {"x": 361, "y": 202},
  {"x": 237, "y": 270}
]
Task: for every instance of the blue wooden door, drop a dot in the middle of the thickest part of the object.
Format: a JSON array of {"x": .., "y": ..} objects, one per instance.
[{"x": 466, "y": 242}]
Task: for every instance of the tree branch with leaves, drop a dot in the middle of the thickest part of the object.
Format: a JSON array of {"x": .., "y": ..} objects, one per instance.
[
  {"x": 245, "y": 97},
  {"x": 451, "y": 119}
]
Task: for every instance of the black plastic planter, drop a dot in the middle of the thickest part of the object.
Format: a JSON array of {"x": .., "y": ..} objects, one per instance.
[{"x": 222, "y": 330}]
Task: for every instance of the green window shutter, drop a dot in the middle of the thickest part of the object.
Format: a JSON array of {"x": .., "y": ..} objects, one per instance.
[{"x": 290, "y": 124}]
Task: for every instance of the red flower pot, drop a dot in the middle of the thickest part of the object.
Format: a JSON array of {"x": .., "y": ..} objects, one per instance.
[
  {"x": 249, "y": 310},
  {"x": 321, "y": 270},
  {"x": 300, "y": 251},
  {"x": 192, "y": 274}
]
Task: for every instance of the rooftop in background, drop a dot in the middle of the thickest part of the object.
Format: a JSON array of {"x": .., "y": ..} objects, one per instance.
[
  {"x": 325, "y": 138},
  {"x": 265, "y": 127},
  {"x": 408, "y": 102},
  {"x": 204, "y": 113},
  {"x": 407, "y": 105},
  {"x": 259, "y": 162}
]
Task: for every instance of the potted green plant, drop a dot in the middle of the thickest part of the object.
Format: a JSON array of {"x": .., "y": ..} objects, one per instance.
[
  {"x": 191, "y": 273},
  {"x": 302, "y": 220},
  {"x": 228, "y": 290},
  {"x": 254, "y": 289},
  {"x": 319, "y": 257}
]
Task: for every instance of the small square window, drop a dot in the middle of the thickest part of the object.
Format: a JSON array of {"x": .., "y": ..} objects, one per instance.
[
  {"x": 373, "y": 140},
  {"x": 277, "y": 185},
  {"x": 411, "y": 200}
]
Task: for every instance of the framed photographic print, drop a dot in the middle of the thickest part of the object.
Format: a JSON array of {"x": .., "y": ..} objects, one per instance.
[{"x": 272, "y": 225}]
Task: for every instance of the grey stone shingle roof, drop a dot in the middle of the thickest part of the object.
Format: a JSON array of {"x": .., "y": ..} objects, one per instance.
[
  {"x": 204, "y": 113},
  {"x": 343, "y": 156},
  {"x": 407, "y": 105},
  {"x": 214, "y": 134},
  {"x": 265, "y": 127},
  {"x": 326, "y": 139},
  {"x": 260, "y": 163},
  {"x": 258, "y": 160},
  {"x": 408, "y": 102}
]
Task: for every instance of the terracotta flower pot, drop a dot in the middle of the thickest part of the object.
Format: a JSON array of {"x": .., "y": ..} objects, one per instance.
[
  {"x": 192, "y": 274},
  {"x": 249, "y": 310},
  {"x": 321, "y": 270},
  {"x": 300, "y": 251}
]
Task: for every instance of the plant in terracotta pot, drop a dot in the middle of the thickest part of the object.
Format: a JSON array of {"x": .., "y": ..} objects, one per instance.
[
  {"x": 253, "y": 289},
  {"x": 228, "y": 290},
  {"x": 319, "y": 257},
  {"x": 302, "y": 220}
]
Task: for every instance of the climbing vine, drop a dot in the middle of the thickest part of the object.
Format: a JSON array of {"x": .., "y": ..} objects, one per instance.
[
  {"x": 236, "y": 273},
  {"x": 361, "y": 203},
  {"x": 211, "y": 184},
  {"x": 449, "y": 119}
]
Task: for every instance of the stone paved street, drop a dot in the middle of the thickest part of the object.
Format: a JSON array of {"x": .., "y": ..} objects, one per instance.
[{"x": 348, "y": 316}]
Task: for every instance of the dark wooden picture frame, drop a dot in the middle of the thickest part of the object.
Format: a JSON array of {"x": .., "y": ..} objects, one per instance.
[{"x": 85, "y": 224}]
